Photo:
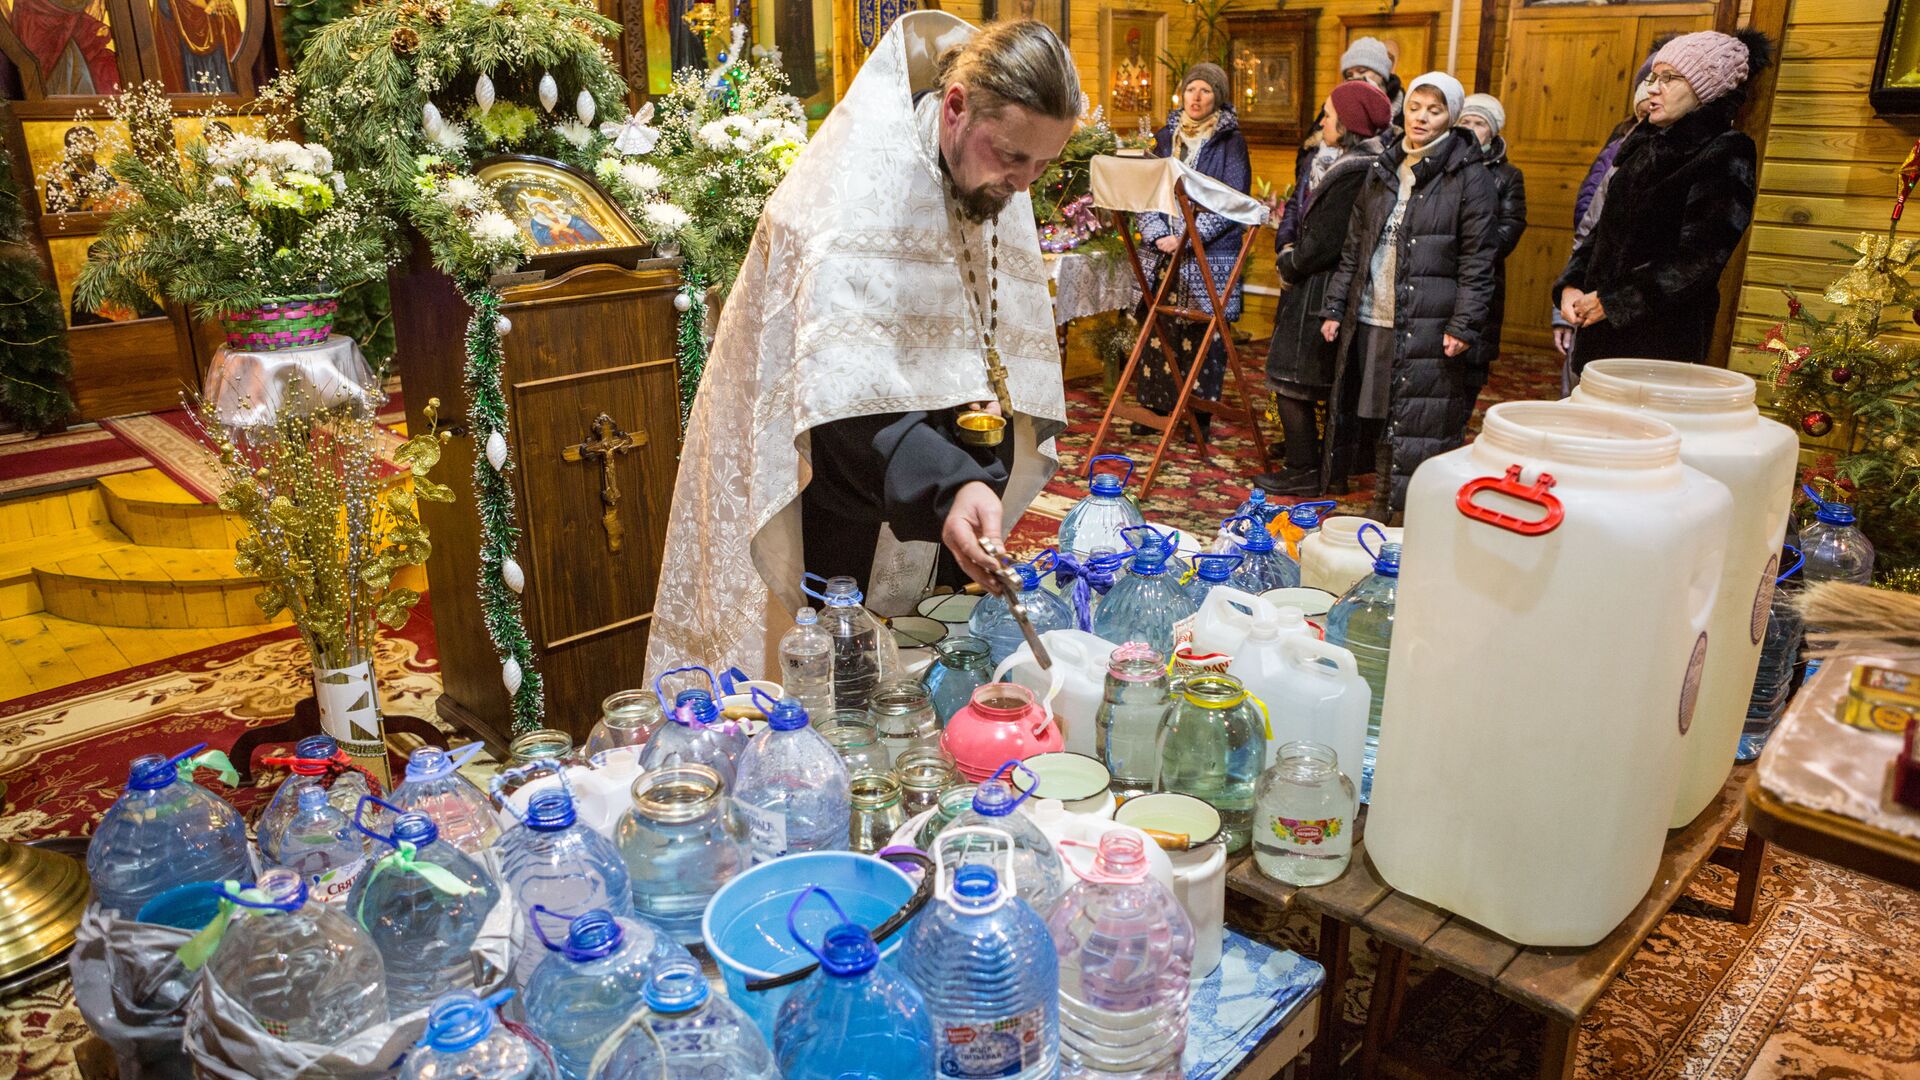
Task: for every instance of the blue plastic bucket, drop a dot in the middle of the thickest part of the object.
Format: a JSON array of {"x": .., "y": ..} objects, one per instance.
[{"x": 745, "y": 925}]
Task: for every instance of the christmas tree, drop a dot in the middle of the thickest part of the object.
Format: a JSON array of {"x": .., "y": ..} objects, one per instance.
[{"x": 33, "y": 344}]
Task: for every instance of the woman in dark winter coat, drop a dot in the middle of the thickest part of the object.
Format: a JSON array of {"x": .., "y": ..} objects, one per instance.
[
  {"x": 1412, "y": 294},
  {"x": 1646, "y": 281},
  {"x": 1300, "y": 361},
  {"x": 1366, "y": 59},
  {"x": 1205, "y": 134},
  {"x": 1485, "y": 116}
]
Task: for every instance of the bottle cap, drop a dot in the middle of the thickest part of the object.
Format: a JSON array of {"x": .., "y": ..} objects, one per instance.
[
  {"x": 151, "y": 772},
  {"x": 787, "y": 714},
  {"x": 549, "y": 810},
  {"x": 676, "y": 987},
  {"x": 1105, "y": 484},
  {"x": 695, "y": 707},
  {"x": 806, "y": 616},
  {"x": 1215, "y": 569},
  {"x": 592, "y": 936},
  {"x": 1257, "y": 538},
  {"x": 1387, "y": 563},
  {"x": 428, "y": 763},
  {"x": 311, "y": 798},
  {"x": 975, "y": 885},
  {"x": 416, "y": 829},
  {"x": 1829, "y": 513},
  {"x": 284, "y": 889},
  {"x": 994, "y": 798},
  {"x": 848, "y": 950}
]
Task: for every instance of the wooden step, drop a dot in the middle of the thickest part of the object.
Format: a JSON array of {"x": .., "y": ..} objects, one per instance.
[
  {"x": 156, "y": 512},
  {"x": 45, "y": 652},
  {"x": 176, "y": 588},
  {"x": 51, "y": 513},
  {"x": 19, "y": 586}
]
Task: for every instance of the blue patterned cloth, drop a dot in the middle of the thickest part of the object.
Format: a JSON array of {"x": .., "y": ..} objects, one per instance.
[{"x": 1247, "y": 996}]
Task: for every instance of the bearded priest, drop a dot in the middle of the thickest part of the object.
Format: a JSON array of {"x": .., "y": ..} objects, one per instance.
[{"x": 893, "y": 306}]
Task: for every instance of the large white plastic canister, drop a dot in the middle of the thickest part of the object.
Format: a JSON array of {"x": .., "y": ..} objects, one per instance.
[
  {"x": 1548, "y": 641},
  {"x": 1313, "y": 692},
  {"x": 1332, "y": 559},
  {"x": 1072, "y": 689},
  {"x": 1723, "y": 435}
]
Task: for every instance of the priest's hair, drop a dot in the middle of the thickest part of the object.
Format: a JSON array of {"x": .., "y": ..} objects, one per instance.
[{"x": 1015, "y": 63}]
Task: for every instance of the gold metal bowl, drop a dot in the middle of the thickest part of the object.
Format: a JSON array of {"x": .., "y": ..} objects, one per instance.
[{"x": 981, "y": 428}]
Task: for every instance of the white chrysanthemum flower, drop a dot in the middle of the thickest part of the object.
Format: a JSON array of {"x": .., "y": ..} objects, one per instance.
[
  {"x": 492, "y": 226},
  {"x": 451, "y": 136},
  {"x": 460, "y": 190},
  {"x": 575, "y": 133},
  {"x": 715, "y": 135},
  {"x": 640, "y": 176},
  {"x": 667, "y": 217}
]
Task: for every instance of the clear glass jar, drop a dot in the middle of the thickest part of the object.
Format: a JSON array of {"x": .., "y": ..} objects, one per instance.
[
  {"x": 627, "y": 718},
  {"x": 544, "y": 744},
  {"x": 954, "y": 801},
  {"x": 1127, "y": 724},
  {"x": 856, "y": 742},
  {"x": 902, "y": 716},
  {"x": 923, "y": 775},
  {"x": 1305, "y": 809},
  {"x": 961, "y": 665},
  {"x": 877, "y": 813},
  {"x": 681, "y": 841},
  {"x": 1213, "y": 747}
]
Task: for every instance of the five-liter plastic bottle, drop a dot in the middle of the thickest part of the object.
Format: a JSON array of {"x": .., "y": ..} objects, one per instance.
[
  {"x": 318, "y": 843},
  {"x": 1095, "y": 523},
  {"x": 806, "y": 663},
  {"x": 863, "y": 653},
  {"x": 554, "y": 859},
  {"x": 1144, "y": 605},
  {"x": 1835, "y": 550},
  {"x": 1264, "y": 566},
  {"x": 301, "y": 970},
  {"x": 792, "y": 786},
  {"x": 689, "y": 1031},
  {"x": 1301, "y": 521},
  {"x": 163, "y": 832},
  {"x": 433, "y": 786},
  {"x": 695, "y": 733},
  {"x": 592, "y": 979},
  {"x": 464, "y": 1041},
  {"x": 992, "y": 619},
  {"x": 423, "y": 904},
  {"x": 1126, "y": 951},
  {"x": 858, "y": 1019},
  {"x": 1127, "y": 726},
  {"x": 985, "y": 962},
  {"x": 1361, "y": 622},
  {"x": 1210, "y": 571},
  {"x": 996, "y": 808},
  {"x": 314, "y": 759}
]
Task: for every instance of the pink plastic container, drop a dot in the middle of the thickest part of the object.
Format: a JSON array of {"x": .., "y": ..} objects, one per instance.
[{"x": 1001, "y": 723}]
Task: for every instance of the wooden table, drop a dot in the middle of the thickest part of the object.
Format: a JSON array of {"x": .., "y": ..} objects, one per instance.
[
  {"x": 1559, "y": 984},
  {"x": 1842, "y": 841}
]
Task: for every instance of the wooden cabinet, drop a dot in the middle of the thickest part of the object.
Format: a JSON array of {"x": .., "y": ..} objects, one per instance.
[{"x": 592, "y": 382}]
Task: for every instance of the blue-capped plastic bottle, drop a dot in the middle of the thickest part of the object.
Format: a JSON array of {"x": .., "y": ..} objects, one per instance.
[
  {"x": 423, "y": 904},
  {"x": 992, "y": 619},
  {"x": 1144, "y": 605},
  {"x": 1773, "y": 680},
  {"x": 1362, "y": 623},
  {"x": 1303, "y": 520},
  {"x": 301, "y": 970},
  {"x": 1095, "y": 522},
  {"x": 986, "y": 964},
  {"x": 995, "y": 807},
  {"x": 1835, "y": 550},
  {"x": 554, "y": 859},
  {"x": 318, "y": 843},
  {"x": 857, "y": 1019},
  {"x": 464, "y": 1041},
  {"x": 316, "y": 762},
  {"x": 695, "y": 733},
  {"x": 592, "y": 979},
  {"x": 165, "y": 831},
  {"x": 863, "y": 653},
  {"x": 792, "y": 787},
  {"x": 686, "y": 1031},
  {"x": 1209, "y": 570},
  {"x": 1264, "y": 566},
  {"x": 433, "y": 786}
]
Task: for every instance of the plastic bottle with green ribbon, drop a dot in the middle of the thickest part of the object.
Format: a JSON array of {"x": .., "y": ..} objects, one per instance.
[
  {"x": 424, "y": 903},
  {"x": 166, "y": 831},
  {"x": 316, "y": 761},
  {"x": 466, "y": 1041}
]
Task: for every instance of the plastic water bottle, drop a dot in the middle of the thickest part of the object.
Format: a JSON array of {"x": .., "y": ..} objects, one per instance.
[
  {"x": 464, "y": 1041},
  {"x": 1263, "y": 565},
  {"x": 1835, "y": 550},
  {"x": 303, "y": 971},
  {"x": 554, "y": 859},
  {"x": 857, "y": 645},
  {"x": 592, "y": 979},
  {"x": 1095, "y": 523},
  {"x": 319, "y": 843},
  {"x": 1210, "y": 570},
  {"x": 858, "y": 1019},
  {"x": 1126, "y": 951},
  {"x": 164, "y": 831},
  {"x": 433, "y": 786},
  {"x": 1773, "y": 681},
  {"x": 792, "y": 786},
  {"x": 695, "y": 733},
  {"x": 994, "y": 810},
  {"x": 316, "y": 762},
  {"x": 1256, "y": 509},
  {"x": 992, "y": 619},
  {"x": 688, "y": 1032},
  {"x": 806, "y": 663},
  {"x": 1362, "y": 623},
  {"x": 986, "y": 964},
  {"x": 423, "y": 904},
  {"x": 1303, "y": 520},
  {"x": 1144, "y": 605}
]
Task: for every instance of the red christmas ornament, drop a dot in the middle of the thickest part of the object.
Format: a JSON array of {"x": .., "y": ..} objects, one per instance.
[
  {"x": 1793, "y": 307},
  {"x": 1841, "y": 374},
  {"x": 1816, "y": 423}
]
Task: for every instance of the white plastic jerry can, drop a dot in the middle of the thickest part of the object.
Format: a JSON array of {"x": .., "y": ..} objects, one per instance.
[
  {"x": 1313, "y": 692},
  {"x": 1332, "y": 558},
  {"x": 1072, "y": 689},
  {"x": 1723, "y": 435},
  {"x": 1225, "y": 619},
  {"x": 1549, "y": 639}
]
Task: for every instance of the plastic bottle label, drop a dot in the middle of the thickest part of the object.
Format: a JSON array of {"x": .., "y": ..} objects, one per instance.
[
  {"x": 766, "y": 831},
  {"x": 332, "y": 885},
  {"x": 1005, "y": 1047},
  {"x": 1690, "y": 686},
  {"x": 1763, "y": 600}
]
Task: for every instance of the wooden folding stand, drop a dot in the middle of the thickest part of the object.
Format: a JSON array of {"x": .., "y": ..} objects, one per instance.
[{"x": 1190, "y": 247}]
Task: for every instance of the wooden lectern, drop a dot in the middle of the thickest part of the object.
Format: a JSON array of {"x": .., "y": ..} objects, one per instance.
[{"x": 592, "y": 385}]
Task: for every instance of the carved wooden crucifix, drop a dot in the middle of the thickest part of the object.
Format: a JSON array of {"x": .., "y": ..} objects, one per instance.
[{"x": 607, "y": 441}]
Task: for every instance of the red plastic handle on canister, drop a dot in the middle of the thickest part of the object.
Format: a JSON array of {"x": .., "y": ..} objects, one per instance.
[{"x": 1510, "y": 485}]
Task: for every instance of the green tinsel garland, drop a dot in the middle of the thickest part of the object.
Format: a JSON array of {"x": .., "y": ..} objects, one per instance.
[
  {"x": 499, "y": 536},
  {"x": 693, "y": 343}
]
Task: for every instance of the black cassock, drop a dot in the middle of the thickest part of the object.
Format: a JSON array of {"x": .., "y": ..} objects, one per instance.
[{"x": 897, "y": 469}]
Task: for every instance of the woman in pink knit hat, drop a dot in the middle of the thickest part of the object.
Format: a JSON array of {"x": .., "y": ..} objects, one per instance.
[{"x": 1645, "y": 282}]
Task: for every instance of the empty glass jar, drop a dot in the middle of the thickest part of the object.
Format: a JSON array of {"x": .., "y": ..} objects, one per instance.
[
  {"x": 1304, "y": 816},
  {"x": 627, "y": 718},
  {"x": 1212, "y": 748},
  {"x": 1127, "y": 724},
  {"x": 681, "y": 841},
  {"x": 876, "y": 812},
  {"x": 902, "y": 715},
  {"x": 961, "y": 666},
  {"x": 851, "y": 735}
]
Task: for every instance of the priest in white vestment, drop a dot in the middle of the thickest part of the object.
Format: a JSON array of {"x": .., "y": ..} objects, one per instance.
[{"x": 897, "y": 259}]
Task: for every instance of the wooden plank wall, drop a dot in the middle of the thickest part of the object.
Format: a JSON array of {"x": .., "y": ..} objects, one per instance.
[{"x": 1829, "y": 169}]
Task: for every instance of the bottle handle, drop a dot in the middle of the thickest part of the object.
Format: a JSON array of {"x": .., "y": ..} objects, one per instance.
[
  {"x": 943, "y": 891},
  {"x": 793, "y": 914},
  {"x": 1799, "y": 560},
  {"x": 360, "y": 819},
  {"x": 459, "y": 758},
  {"x": 1033, "y": 780},
  {"x": 1056, "y": 681},
  {"x": 497, "y": 785},
  {"x": 1510, "y": 486},
  {"x": 533, "y": 917},
  {"x": 1303, "y": 651},
  {"x": 660, "y": 691},
  {"x": 1098, "y": 458}
]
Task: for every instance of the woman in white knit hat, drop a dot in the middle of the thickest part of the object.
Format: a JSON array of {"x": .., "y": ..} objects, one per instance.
[{"x": 1485, "y": 117}]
